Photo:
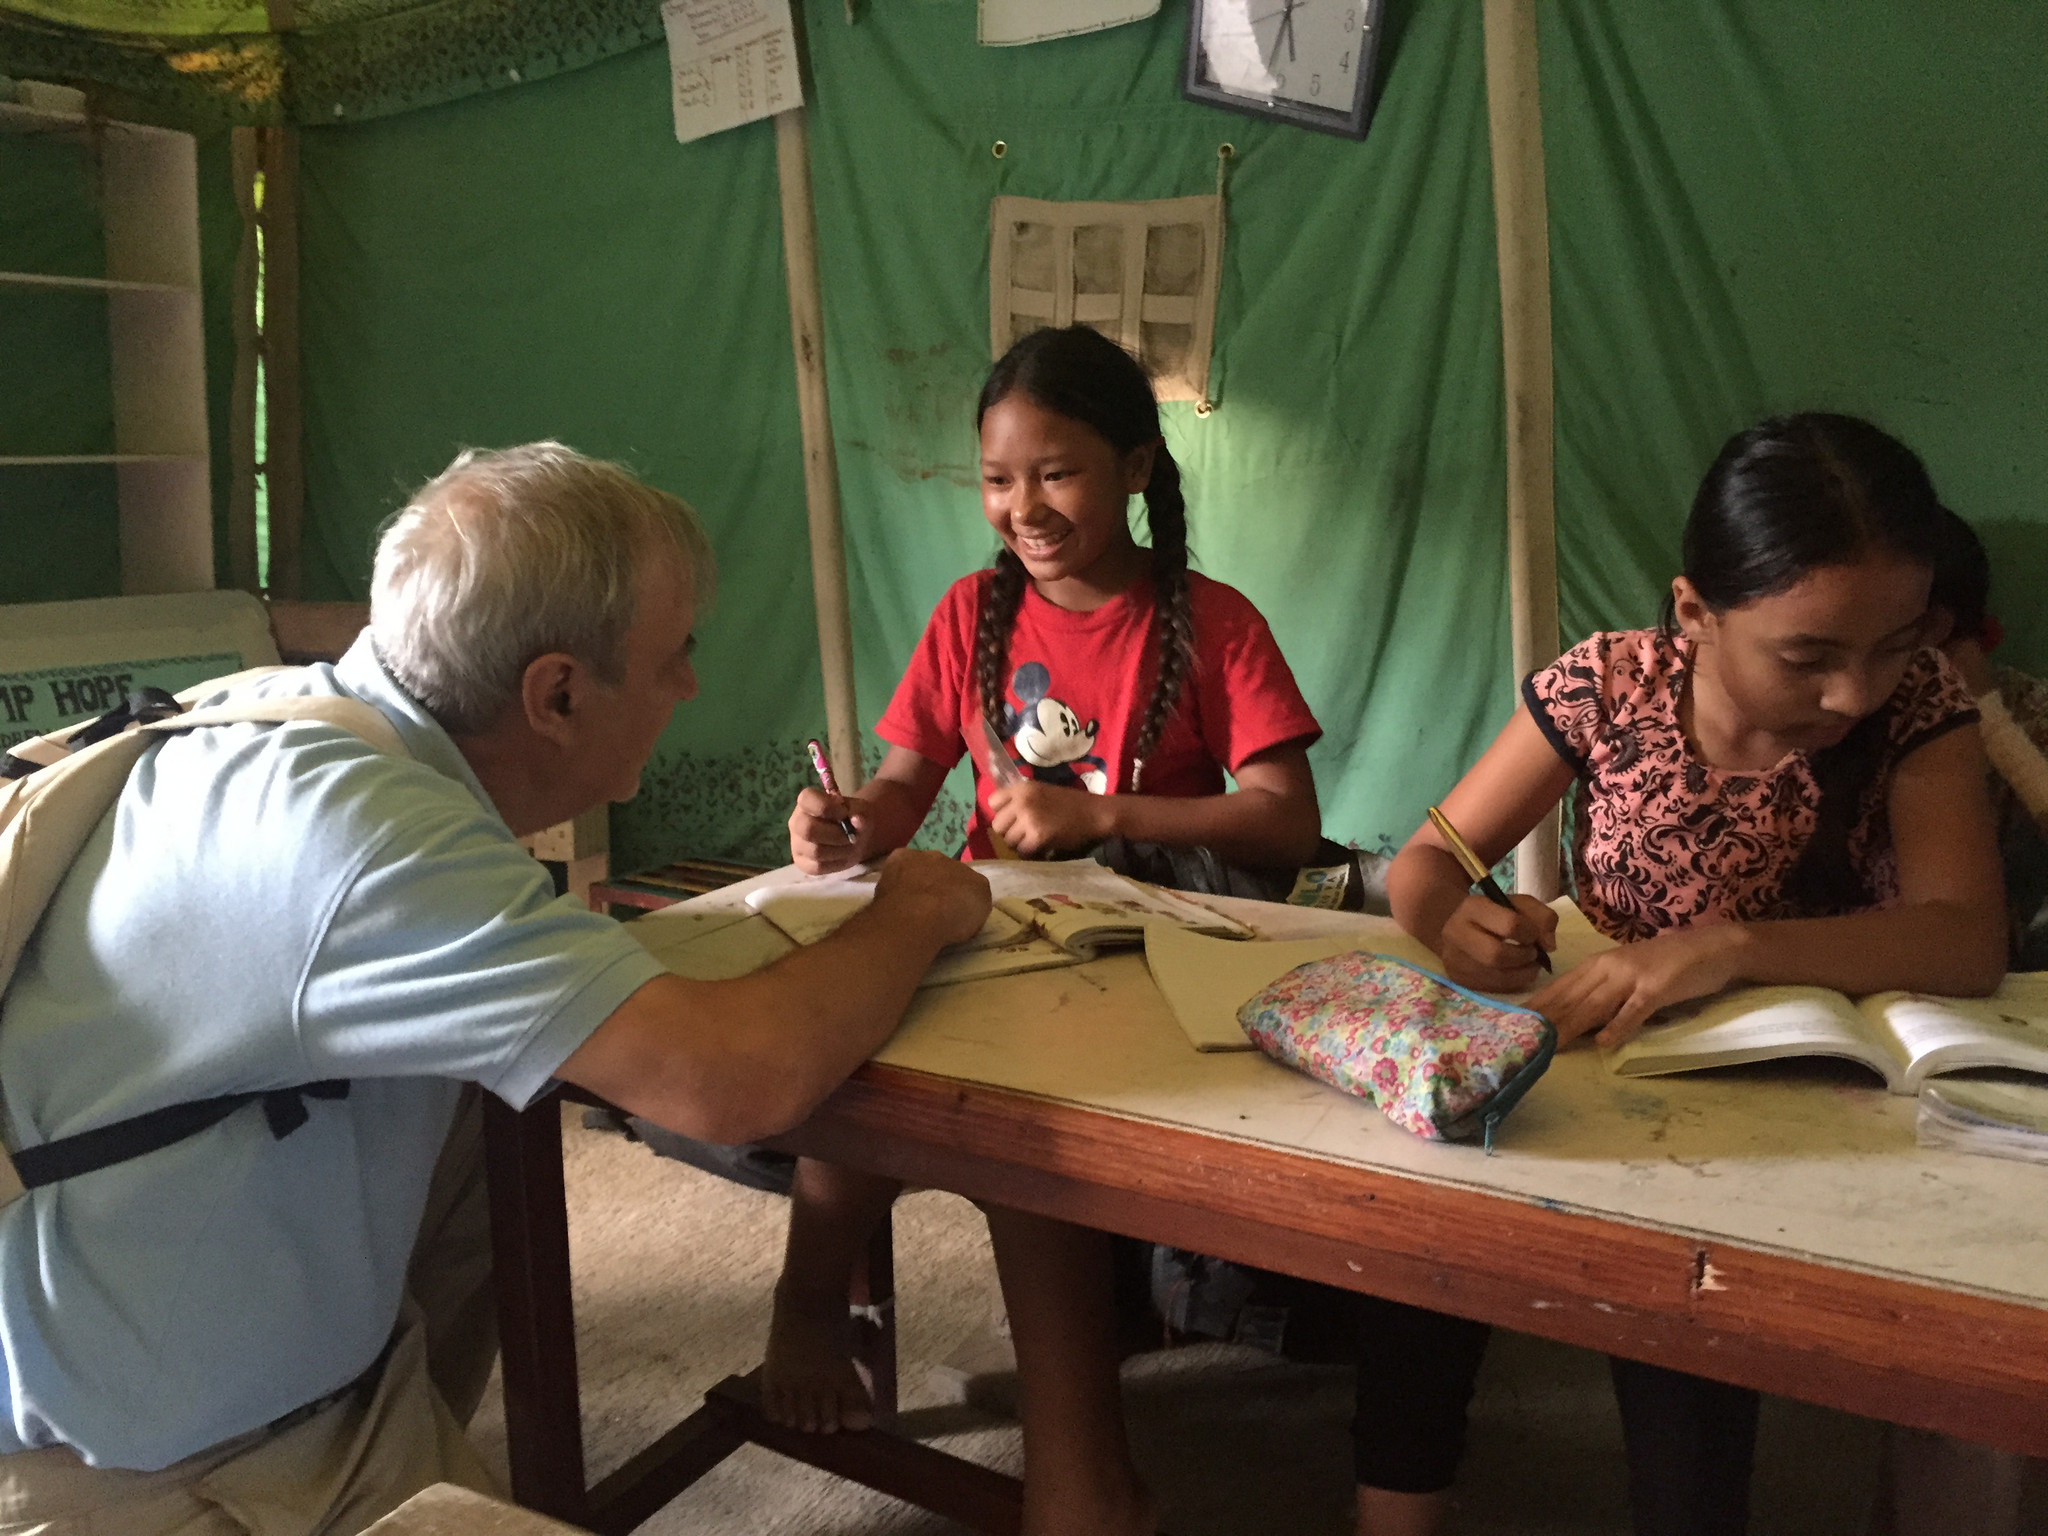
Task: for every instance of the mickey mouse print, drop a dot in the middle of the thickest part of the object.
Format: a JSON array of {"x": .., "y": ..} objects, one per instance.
[{"x": 1049, "y": 735}]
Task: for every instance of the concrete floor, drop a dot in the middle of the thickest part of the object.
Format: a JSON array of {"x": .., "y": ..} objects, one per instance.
[{"x": 673, "y": 1270}]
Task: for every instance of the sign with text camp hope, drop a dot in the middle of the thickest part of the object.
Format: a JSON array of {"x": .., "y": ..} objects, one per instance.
[{"x": 36, "y": 703}]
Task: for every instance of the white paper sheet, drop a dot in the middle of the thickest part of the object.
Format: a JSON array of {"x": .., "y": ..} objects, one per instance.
[
  {"x": 730, "y": 62},
  {"x": 1004, "y": 22}
]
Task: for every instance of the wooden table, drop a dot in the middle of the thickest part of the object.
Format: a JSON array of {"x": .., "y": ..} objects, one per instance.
[{"x": 1774, "y": 1228}]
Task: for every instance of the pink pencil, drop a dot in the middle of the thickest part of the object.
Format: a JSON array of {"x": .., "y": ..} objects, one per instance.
[{"x": 824, "y": 772}]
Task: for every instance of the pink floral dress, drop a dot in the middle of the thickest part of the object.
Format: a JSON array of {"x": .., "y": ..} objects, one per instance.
[{"x": 1665, "y": 841}]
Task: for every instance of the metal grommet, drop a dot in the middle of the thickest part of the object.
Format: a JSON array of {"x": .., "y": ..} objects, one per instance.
[
  {"x": 1204, "y": 407},
  {"x": 1225, "y": 150},
  {"x": 999, "y": 149}
]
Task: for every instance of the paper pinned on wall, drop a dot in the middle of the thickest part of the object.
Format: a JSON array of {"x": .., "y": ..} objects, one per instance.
[
  {"x": 1004, "y": 22},
  {"x": 730, "y": 62}
]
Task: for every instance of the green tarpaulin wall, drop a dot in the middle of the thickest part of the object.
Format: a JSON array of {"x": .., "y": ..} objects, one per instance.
[{"x": 1753, "y": 207}]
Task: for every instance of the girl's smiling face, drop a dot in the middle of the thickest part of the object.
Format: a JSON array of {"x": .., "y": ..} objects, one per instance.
[
  {"x": 1800, "y": 667},
  {"x": 1058, "y": 495}
]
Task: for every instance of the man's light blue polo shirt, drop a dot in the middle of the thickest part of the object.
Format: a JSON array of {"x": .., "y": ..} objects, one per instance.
[{"x": 267, "y": 906}]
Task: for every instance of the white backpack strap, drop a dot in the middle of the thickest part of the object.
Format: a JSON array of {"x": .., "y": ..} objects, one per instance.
[
  {"x": 352, "y": 715},
  {"x": 46, "y": 817}
]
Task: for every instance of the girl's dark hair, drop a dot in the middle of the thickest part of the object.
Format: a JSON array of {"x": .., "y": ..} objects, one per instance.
[
  {"x": 1081, "y": 374},
  {"x": 1962, "y": 578},
  {"x": 1795, "y": 493},
  {"x": 1789, "y": 496}
]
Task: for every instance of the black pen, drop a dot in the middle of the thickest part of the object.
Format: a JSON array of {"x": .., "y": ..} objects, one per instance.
[{"x": 1488, "y": 886}]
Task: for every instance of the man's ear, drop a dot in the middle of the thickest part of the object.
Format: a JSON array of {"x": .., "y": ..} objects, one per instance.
[
  {"x": 550, "y": 696},
  {"x": 1696, "y": 621}
]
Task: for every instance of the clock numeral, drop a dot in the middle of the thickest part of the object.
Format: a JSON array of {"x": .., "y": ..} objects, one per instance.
[
  {"x": 1344, "y": 64},
  {"x": 1279, "y": 83},
  {"x": 1351, "y": 18},
  {"x": 1315, "y": 85}
]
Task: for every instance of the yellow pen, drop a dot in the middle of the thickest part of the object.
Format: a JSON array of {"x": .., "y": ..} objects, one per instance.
[{"x": 1488, "y": 886}]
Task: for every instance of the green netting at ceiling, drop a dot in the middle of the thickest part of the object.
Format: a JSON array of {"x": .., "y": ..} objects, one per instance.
[{"x": 196, "y": 62}]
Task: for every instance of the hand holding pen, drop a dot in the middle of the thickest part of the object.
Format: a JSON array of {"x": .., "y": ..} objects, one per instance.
[
  {"x": 824, "y": 829},
  {"x": 1511, "y": 934}
]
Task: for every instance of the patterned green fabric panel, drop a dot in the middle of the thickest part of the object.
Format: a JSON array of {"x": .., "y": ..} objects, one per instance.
[
  {"x": 731, "y": 805},
  {"x": 736, "y": 805},
  {"x": 159, "y": 18},
  {"x": 186, "y": 82},
  {"x": 373, "y": 58},
  {"x": 347, "y": 60}
]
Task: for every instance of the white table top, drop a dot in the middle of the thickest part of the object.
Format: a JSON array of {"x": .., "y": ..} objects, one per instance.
[{"x": 1811, "y": 1159}]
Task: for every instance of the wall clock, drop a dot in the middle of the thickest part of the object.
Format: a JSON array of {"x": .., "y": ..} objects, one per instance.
[{"x": 1308, "y": 62}]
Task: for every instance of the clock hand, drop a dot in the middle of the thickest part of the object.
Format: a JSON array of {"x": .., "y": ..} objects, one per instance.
[{"x": 1285, "y": 29}]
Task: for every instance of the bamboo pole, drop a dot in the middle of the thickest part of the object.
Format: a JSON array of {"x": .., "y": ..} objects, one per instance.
[
  {"x": 1522, "y": 241},
  {"x": 283, "y": 449},
  {"x": 821, "y": 463},
  {"x": 242, "y": 571}
]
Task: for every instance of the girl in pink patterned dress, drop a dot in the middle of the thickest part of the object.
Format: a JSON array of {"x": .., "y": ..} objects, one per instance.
[{"x": 1775, "y": 786}]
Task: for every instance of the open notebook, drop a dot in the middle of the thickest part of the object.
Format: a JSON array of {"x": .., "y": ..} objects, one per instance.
[{"x": 1045, "y": 914}]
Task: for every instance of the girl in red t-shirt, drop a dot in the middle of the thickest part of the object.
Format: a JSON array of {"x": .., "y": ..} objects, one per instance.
[
  {"x": 1127, "y": 686},
  {"x": 1775, "y": 786}
]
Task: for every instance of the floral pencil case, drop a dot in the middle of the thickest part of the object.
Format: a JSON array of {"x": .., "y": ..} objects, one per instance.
[{"x": 1438, "y": 1060}]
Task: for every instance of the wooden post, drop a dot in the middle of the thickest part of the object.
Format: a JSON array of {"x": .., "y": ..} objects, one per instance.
[
  {"x": 821, "y": 463},
  {"x": 1522, "y": 241},
  {"x": 284, "y": 468},
  {"x": 242, "y": 571}
]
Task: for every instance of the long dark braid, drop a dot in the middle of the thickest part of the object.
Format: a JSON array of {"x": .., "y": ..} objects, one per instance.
[
  {"x": 1173, "y": 624},
  {"x": 1082, "y": 375},
  {"x": 1000, "y": 600}
]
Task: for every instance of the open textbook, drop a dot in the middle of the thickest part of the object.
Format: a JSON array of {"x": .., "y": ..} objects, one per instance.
[
  {"x": 1905, "y": 1037},
  {"x": 1045, "y": 914}
]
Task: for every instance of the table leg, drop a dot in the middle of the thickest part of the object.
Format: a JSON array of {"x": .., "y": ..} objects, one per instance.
[
  {"x": 536, "y": 1316},
  {"x": 873, "y": 1300}
]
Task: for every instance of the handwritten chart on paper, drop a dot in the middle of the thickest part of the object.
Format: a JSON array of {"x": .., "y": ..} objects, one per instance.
[{"x": 730, "y": 62}]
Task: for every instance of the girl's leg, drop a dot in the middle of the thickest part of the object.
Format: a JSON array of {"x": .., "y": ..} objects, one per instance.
[
  {"x": 807, "y": 1378},
  {"x": 1938, "y": 1486},
  {"x": 1690, "y": 1445},
  {"x": 1416, "y": 1371},
  {"x": 1078, "y": 1476}
]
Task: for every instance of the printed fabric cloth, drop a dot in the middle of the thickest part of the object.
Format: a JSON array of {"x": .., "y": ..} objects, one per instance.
[
  {"x": 1434, "y": 1057},
  {"x": 1077, "y": 687},
  {"x": 1665, "y": 841}
]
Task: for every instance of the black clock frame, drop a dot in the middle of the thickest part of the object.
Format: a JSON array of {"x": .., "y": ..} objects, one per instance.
[{"x": 1349, "y": 124}]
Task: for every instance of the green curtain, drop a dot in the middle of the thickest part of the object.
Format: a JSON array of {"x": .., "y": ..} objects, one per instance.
[
  {"x": 1350, "y": 479},
  {"x": 551, "y": 263},
  {"x": 1762, "y": 207}
]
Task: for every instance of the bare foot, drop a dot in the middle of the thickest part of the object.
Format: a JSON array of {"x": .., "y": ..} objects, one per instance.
[{"x": 808, "y": 1381}]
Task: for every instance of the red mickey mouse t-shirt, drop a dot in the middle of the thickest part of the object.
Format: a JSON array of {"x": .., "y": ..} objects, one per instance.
[{"x": 1077, "y": 688}]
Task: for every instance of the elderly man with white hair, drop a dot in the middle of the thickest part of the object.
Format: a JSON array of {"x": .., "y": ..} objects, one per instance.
[{"x": 274, "y": 1328}]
